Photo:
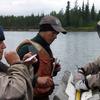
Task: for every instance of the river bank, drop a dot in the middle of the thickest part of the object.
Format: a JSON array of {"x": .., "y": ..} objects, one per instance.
[
  {"x": 31, "y": 30},
  {"x": 69, "y": 29},
  {"x": 81, "y": 29}
]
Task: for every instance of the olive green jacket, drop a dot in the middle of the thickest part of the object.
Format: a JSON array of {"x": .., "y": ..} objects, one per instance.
[{"x": 16, "y": 84}]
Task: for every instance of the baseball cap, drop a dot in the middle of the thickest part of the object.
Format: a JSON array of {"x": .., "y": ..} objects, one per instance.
[
  {"x": 54, "y": 22},
  {"x": 2, "y": 37}
]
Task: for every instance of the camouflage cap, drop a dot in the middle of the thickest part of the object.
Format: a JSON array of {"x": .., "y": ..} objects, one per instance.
[{"x": 54, "y": 22}]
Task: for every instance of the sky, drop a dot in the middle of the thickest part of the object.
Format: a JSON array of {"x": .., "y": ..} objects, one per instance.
[{"x": 28, "y": 7}]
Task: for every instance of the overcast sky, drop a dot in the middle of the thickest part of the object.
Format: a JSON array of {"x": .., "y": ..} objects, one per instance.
[{"x": 27, "y": 7}]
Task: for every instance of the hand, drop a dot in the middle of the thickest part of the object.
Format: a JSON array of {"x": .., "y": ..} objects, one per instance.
[
  {"x": 78, "y": 76},
  {"x": 29, "y": 58},
  {"x": 57, "y": 67},
  {"x": 81, "y": 85},
  {"x": 11, "y": 57},
  {"x": 45, "y": 81}
]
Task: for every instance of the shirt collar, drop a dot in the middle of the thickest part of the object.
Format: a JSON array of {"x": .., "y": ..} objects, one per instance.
[{"x": 40, "y": 40}]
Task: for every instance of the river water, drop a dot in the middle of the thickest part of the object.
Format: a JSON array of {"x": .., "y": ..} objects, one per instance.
[{"x": 73, "y": 49}]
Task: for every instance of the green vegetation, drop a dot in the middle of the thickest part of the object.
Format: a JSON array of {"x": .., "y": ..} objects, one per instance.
[{"x": 76, "y": 18}]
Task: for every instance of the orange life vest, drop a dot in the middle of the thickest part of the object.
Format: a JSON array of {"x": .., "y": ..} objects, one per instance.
[{"x": 45, "y": 66}]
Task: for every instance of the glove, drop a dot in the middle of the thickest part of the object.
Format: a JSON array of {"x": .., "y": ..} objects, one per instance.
[{"x": 81, "y": 85}]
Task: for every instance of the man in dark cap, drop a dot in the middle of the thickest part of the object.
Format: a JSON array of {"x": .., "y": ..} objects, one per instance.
[
  {"x": 46, "y": 67},
  {"x": 81, "y": 81},
  {"x": 15, "y": 81}
]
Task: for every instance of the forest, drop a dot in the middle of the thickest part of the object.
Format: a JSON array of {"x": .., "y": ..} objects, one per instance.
[{"x": 72, "y": 18}]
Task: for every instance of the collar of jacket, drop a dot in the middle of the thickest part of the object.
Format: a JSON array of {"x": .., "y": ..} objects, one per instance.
[
  {"x": 3, "y": 67},
  {"x": 43, "y": 43},
  {"x": 40, "y": 40}
]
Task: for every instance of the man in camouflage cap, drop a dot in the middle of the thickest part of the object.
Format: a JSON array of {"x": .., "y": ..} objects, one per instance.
[{"x": 45, "y": 69}]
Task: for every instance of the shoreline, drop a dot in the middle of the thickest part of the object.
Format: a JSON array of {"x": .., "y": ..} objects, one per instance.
[
  {"x": 35, "y": 30},
  {"x": 69, "y": 29}
]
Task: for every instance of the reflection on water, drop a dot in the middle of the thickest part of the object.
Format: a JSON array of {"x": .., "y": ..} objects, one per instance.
[{"x": 74, "y": 48}]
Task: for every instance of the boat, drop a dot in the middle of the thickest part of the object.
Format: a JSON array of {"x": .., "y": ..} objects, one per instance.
[{"x": 66, "y": 90}]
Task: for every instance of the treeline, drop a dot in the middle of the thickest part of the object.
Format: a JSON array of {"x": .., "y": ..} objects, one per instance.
[{"x": 72, "y": 17}]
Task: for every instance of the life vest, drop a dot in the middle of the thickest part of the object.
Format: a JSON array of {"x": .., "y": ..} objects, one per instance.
[{"x": 45, "y": 66}]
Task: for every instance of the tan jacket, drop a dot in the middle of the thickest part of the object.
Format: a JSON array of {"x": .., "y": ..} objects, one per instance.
[
  {"x": 16, "y": 85},
  {"x": 93, "y": 69}
]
